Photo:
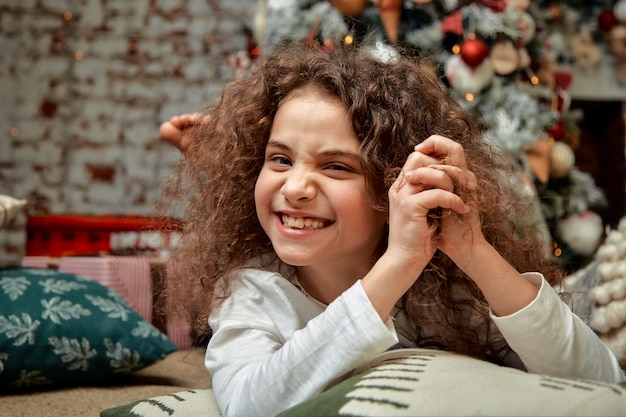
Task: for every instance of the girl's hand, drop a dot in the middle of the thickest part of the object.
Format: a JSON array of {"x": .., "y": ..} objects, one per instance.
[
  {"x": 425, "y": 186},
  {"x": 443, "y": 188},
  {"x": 460, "y": 230},
  {"x": 172, "y": 130}
]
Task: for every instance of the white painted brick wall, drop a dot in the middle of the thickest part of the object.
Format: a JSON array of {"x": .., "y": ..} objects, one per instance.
[{"x": 81, "y": 135}]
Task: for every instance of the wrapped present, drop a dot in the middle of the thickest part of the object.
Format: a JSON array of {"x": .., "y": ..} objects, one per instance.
[{"x": 70, "y": 235}]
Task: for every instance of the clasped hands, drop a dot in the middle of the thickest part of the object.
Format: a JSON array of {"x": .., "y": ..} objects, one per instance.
[{"x": 432, "y": 203}]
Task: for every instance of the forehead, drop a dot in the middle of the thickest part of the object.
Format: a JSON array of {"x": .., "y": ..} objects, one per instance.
[{"x": 312, "y": 116}]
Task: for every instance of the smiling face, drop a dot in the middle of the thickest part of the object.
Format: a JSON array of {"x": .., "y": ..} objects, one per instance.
[{"x": 310, "y": 195}]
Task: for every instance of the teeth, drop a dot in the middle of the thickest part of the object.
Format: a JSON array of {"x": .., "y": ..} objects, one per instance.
[{"x": 302, "y": 223}]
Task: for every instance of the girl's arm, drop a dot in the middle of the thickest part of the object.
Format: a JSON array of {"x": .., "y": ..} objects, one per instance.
[{"x": 542, "y": 330}]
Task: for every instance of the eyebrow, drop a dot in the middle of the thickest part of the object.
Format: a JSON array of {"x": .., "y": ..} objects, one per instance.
[{"x": 331, "y": 153}]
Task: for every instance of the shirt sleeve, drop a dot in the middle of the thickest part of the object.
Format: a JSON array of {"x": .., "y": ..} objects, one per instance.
[
  {"x": 266, "y": 356},
  {"x": 549, "y": 338}
]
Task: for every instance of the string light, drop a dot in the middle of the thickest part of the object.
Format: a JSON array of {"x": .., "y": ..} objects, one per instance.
[
  {"x": 79, "y": 55},
  {"x": 67, "y": 15}
]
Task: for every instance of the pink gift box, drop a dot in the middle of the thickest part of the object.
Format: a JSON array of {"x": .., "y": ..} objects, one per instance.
[{"x": 134, "y": 278}]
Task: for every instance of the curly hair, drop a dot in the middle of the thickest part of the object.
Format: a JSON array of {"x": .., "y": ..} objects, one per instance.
[{"x": 393, "y": 105}]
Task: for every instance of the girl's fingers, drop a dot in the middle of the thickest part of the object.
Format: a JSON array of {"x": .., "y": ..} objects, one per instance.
[
  {"x": 448, "y": 177},
  {"x": 435, "y": 198},
  {"x": 429, "y": 188},
  {"x": 442, "y": 148},
  {"x": 429, "y": 177}
]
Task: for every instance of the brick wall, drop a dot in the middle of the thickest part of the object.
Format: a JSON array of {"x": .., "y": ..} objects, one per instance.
[{"x": 84, "y": 85}]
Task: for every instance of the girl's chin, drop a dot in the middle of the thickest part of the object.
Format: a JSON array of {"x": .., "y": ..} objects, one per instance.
[{"x": 297, "y": 261}]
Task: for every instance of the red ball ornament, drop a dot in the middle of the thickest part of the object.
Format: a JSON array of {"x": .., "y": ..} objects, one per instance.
[
  {"x": 557, "y": 131},
  {"x": 473, "y": 52},
  {"x": 607, "y": 20}
]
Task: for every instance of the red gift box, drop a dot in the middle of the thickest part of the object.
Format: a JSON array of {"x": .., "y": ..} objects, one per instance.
[{"x": 69, "y": 235}]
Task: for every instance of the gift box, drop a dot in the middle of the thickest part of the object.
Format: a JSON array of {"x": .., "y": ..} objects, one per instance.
[{"x": 70, "y": 235}]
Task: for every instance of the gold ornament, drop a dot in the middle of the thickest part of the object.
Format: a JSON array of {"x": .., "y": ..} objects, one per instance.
[{"x": 561, "y": 160}]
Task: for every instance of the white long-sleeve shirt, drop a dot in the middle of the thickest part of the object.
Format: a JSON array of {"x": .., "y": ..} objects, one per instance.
[{"x": 273, "y": 346}]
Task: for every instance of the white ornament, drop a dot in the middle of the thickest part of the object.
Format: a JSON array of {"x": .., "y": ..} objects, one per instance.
[
  {"x": 581, "y": 232},
  {"x": 465, "y": 79},
  {"x": 620, "y": 11}
]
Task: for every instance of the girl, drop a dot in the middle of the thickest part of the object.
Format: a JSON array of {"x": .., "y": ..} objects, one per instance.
[{"x": 342, "y": 206}]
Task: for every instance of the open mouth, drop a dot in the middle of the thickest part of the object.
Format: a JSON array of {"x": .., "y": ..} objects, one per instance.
[{"x": 302, "y": 222}]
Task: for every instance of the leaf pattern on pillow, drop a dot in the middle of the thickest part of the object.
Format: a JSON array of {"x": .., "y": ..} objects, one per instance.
[
  {"x": 56, "y": 310},
  {"x": 122, "y": 359},
  {"x": 58, "y": 286},
  {"x": 113, "y": 309},
  {"x": 146, "y": 330},
  {"x": 22, "y": 330},
  {"x": 31, "y": 379},
  {"x": 71, "y": 351},
  {"x": 14, "y": 287}
]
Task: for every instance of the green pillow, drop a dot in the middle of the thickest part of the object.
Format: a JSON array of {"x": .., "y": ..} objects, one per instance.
[
  {"x": 61, "y": 329},
  {"x": 421, "y": 382}
]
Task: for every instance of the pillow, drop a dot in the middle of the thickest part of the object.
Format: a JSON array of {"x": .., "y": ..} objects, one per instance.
[
  {"x": 190, "y": 403},
  {"x": 9, "y": 207},
  {"x": 61, "y": 329},
  {"x": 422, "y": 382}
]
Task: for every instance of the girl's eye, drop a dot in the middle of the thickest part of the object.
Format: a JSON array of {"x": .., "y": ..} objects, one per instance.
[
  {"x": 279, "y": 159},
  {"x": 338, "y": 167}
]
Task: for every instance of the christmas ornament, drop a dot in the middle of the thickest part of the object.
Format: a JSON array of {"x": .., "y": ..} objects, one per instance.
[
  {"x": 465, "y": 79},
  {"x": 538, "y": 156},
  {"x": 473, "y": 52},
  {"x": 620, "y": 11},
  {"x": 452, "y": 24},
  {"x": 557, "y": 130},
  {"x": 390, "y": 12},
  {"x": 504, "y": 57},
  {"x": 350, "y": 7},
  {"x": 259, "y": 24},
  {"x": 581, "y": 232},
  {"x": 607, "y": 20},
  {"x": 561, "y": 160}
]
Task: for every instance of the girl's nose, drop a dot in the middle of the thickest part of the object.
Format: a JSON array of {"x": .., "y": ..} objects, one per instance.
[{"x": 298, "y": 185}]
